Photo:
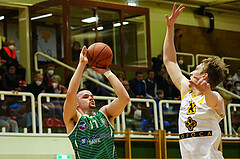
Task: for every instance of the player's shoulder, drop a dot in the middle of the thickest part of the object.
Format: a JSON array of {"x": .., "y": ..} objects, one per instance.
[
  {"x": 220, "y": 101},
  {"x": 217, "y": 94},
  {"x": 70, "y": 124},
  {"x": 185, "y": 88},
  {"x": 74, "y": 118},
  {"x": 103, "y": 110}
]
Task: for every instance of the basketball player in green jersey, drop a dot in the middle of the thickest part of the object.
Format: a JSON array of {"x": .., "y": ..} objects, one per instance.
[{"x": 92, "y": 133}]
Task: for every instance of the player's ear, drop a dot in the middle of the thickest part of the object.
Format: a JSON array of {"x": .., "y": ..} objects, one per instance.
[{"x": 205, "y": 76}]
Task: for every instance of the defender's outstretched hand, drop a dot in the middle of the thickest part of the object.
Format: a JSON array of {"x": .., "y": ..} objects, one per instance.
[
  {"x": 83, "y": 55},
  {"x": 202, "y": 85},
  {"x": 175, "y": 13}
]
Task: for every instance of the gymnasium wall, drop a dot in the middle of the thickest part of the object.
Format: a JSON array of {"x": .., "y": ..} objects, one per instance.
[
  {"x": 226, "y": 23},
  {"x": 48, "y": 147},
  {"x": 223, "y": 43}
]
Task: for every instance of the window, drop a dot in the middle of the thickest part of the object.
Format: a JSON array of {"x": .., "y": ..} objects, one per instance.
[
  {"x": 135, "y": 40},
  {"x": 109, "y": 32},
  {"x": 125, "y": 29},
  {"x": 47, "y": 32}
]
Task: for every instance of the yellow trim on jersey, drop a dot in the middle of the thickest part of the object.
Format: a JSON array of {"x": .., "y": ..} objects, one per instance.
[
  {"x": 201, "y": 100},
  {"x": 185, "y": 93},
  {"x": 196, "y": 95},
  {"x": 219, "y": 114}
]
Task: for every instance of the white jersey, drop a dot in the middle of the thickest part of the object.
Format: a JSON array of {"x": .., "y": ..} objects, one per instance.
[{"x": 199, "y": 131}]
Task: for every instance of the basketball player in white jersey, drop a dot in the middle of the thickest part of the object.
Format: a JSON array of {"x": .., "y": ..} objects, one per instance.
[{"x": 201, "y": 108}]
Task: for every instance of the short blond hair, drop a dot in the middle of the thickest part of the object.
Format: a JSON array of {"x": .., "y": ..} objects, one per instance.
[{"x": 215, "y": 68}]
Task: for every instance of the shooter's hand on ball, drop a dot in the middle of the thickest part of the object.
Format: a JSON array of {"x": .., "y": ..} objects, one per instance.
[
  {"x": 100, "y": 70},
  {"x": 83, "y": 56}
]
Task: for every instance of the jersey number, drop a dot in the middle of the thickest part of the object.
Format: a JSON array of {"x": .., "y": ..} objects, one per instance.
[
  {"x": 191, "y": 108},
  {"x": 92, "y": 122}
]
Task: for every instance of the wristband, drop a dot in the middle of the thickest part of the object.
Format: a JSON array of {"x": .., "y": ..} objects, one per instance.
[{"x": 108, "y": 73}]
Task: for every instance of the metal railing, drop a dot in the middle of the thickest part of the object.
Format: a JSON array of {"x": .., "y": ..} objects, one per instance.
[
  {"x": 193, "y": 60},
  {"x": 223, "y": 59},
  {"x": 230, "y": 58},
  {"x": 229, "y": 116},
  {"x": 148, "y": 101},
  {"x": 23, "y": 94},
  {"x": 108, "y": 99},
  {"x": 202, "y": 55},
  {"x": 120, "y": 121},
  {"x": 225, "y": 125},
  {"x": 47, "y": 95},
  {"x": 205, "y": 55},
  {"x": 68, "y": 67},
  {"x": 228, "y": 92},
  {"x": 161, "y": 112}
]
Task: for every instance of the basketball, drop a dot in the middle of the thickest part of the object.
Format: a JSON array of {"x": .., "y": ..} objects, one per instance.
[{"x": 99, "y": 55}]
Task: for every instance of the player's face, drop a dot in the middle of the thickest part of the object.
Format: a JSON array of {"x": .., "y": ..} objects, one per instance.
[
  {"x": 197, "y": 73},
  {"x": 85, "y": 100}
]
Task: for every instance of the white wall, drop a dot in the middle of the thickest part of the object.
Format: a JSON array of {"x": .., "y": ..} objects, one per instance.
[{"x": 34, "y": 147}]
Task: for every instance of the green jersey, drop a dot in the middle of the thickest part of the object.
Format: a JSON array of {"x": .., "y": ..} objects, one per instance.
[{"x": 93, "y": 137}]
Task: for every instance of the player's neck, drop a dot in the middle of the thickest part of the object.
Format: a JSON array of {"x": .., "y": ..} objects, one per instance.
[
  {"x": 91, "y": 113},
  {"x": 87, "y": 112}
]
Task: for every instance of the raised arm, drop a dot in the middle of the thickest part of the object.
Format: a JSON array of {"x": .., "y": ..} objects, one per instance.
[
  {"x": 169, "y": 52},
  {"x": 70, "y": 105},
  {"x": 116, "y": 107}
]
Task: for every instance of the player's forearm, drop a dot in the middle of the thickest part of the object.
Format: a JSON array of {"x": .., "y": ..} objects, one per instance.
[
  {"x": 118, "y": 87},
  {"x": 76, "y": 79},
  {"x": 169, "y": 52},
  {"x": 211, "y": 98}
]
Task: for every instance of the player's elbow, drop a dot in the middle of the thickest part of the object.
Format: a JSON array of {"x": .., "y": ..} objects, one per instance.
[
  {"x": 124, "y": 99},
  {"x": 166, "y": 61},
  {"x": 127, "y": 98},
  {"x": 123, "y": 96}
]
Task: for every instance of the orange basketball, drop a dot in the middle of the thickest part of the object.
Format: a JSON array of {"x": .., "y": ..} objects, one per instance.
[{"x": 99, "y": 55}]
